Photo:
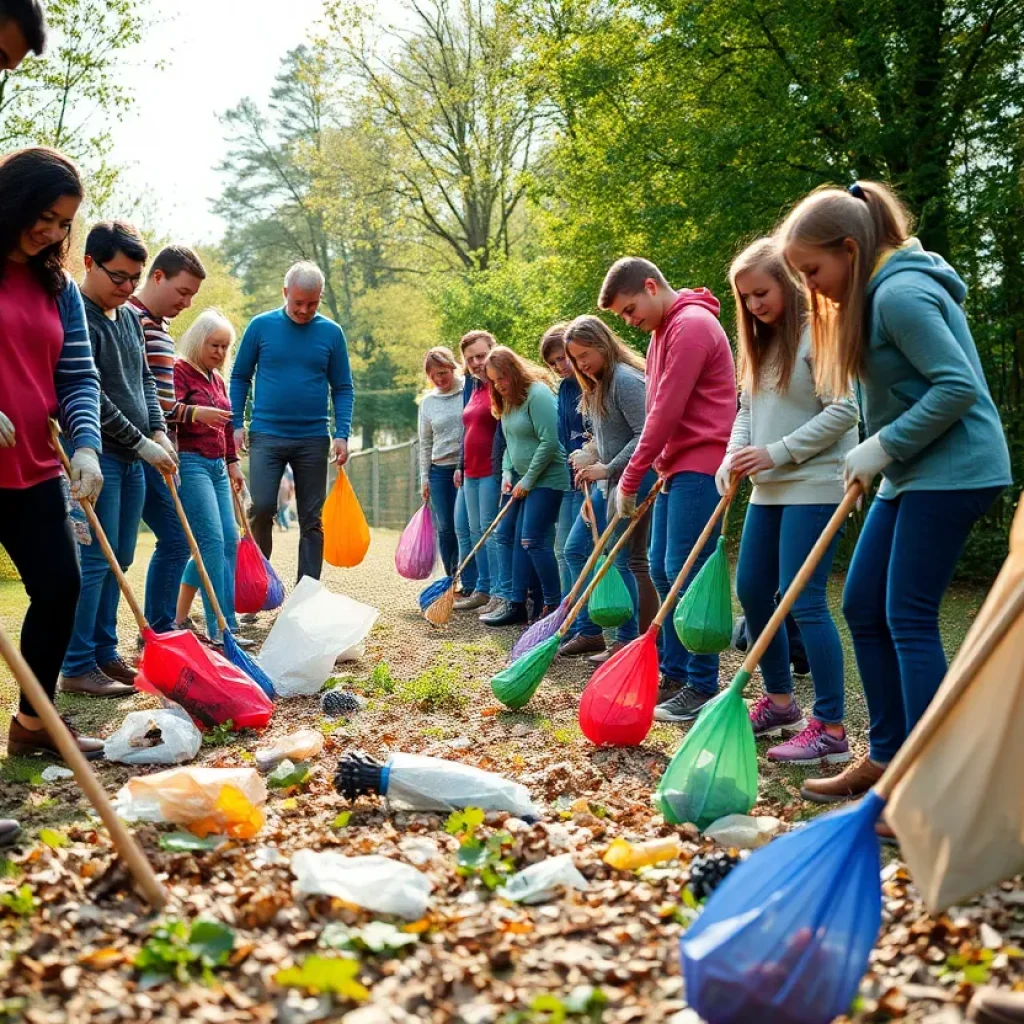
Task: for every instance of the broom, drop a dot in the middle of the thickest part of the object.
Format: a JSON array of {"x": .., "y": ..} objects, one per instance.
[
  {"x": 515, "y": 685},
  {"x": 786, "y": 936},
  {"x": 125, "y": 845},
  {"x": 232, "y": 651},
  {"x": 438, "y": 600},
  {"x": 631, "y": 676}
]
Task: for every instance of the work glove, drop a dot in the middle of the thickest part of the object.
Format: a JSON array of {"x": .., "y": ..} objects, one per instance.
[
  {"x": 865, "y": 462},
  {"x": 584, "y": 457},
  {"x": 722, "y": 477},
  {"x": 156, "y": 455},
  {"x": 167, "y": 444},
  {"x": 6, "y": 432},
  {"x": 86, "y": 475},
  {"x": 625, "y": 503}
]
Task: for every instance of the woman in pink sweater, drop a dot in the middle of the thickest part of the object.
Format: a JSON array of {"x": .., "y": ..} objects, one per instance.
[{"x": 691, "y": 405}]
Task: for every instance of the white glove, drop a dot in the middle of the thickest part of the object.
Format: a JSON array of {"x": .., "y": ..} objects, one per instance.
[
  {"x": 723, "y": 475},
  {"x": 506, "y": 483},
  {"x": 86, "y": 475},
  {"x": 6, "y": 432},
  {"x": 167, "y": 444},
  {"x": 584, "y": 457},
  {"x": 865, "y": 462},
  {"x": 625, "y": 504},
  {"x": 156, "y": 456}
]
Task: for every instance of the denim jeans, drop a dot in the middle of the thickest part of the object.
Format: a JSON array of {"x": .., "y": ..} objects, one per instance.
[
  {"x": 901, "y": 567},
  {"x": 463, "y": 535},
  {"x": 119, "y": 507},
  {"x": 442, "y": 507},
  {"x": 268, "y": 456},
  {"x": 681, "y": 512},
  {"x": 480, "y": 497},
  {"x": 572, "y": 502},
  {"x": 206, "y": 497},
  {"x": 170, "y": 555},
  {"x": 776, "y": 542},
  {"x": 526, "y": 538}
]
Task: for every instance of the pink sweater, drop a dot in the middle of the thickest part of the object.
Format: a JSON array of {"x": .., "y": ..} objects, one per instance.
[{"x": 691, "y": 393}]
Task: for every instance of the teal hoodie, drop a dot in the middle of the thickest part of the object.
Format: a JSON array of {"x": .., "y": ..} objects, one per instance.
[{"x": 922, "y": 388}]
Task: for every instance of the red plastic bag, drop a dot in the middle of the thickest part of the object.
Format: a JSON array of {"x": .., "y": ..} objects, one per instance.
[
  {"x": 417, "y": 548},
  {"x": 251, "y": 580},
  {"x": 346, "y": 532},
  {"x": 617, "y": 707},
  {"x": 212, "y": 690}
]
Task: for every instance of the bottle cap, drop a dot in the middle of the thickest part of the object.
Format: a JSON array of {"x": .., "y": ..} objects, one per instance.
[{"x": 358, "y": 774}]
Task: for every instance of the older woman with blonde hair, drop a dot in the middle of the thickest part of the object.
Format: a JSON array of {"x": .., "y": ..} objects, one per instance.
[{"x": 209, "y": 462}]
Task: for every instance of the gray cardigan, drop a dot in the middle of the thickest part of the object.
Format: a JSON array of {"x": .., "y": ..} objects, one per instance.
[{"x": 617, "y": 432}]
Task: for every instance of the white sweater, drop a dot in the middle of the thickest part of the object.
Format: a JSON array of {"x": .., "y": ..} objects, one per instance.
[
  {"x": 806, "y": 435},
  {"x": 440, "y": 428}
]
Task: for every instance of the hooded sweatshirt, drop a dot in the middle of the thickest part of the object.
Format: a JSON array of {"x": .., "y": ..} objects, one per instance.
[
  {"x": 691, "y": 393},
  {"x": 922, "y": 387},
  {"x": 440, "y": 429}
]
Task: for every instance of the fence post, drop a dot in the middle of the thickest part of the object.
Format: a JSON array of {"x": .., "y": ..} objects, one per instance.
[
  {"x": 375, "y": 486},
  {"x": 414, "y": 474}
]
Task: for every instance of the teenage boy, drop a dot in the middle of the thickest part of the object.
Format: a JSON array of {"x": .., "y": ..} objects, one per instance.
[
  {"x": 691, "y": 404},
  {"x": 133, "y": 429},
  {"x": 172, "y": 282}
]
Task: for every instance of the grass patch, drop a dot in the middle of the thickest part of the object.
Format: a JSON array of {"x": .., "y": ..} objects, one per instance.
[
  {"x": 440, "y": 688},
  {"x": 433, "y": 732},
  {"x": 25, "y": 770}
]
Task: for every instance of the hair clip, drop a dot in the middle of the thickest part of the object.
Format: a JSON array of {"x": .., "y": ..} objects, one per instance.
[{"x": 857, "y": 192}]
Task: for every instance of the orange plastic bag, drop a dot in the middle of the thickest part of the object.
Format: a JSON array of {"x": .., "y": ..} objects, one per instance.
[{"x": 346, "y": 533}]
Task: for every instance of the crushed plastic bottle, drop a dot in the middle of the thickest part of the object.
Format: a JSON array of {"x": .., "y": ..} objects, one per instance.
[
  {"x": 743, "y": 832},
  {"x": 544, "y": 880},
  {"x": 297, "y": 746},
  {"x": 626, "y": 856},
  {"x": 414, "y": 782}
]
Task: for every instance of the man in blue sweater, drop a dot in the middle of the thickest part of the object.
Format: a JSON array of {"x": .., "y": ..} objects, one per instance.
[{"x": 300, "y": 362}]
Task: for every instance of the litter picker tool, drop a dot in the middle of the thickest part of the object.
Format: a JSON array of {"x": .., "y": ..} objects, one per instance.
[{"x": 257, "y": 587}]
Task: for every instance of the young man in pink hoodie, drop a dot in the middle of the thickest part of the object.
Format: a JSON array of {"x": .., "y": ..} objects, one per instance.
[{"x": 691, "y": 404}]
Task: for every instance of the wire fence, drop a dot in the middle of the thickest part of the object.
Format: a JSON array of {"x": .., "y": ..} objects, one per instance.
[{"x": 387, "y": 482}]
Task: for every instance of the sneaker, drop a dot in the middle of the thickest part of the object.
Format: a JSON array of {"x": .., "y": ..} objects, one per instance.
[
  {"x": 248, "y": 619},
  {"x": 599, "y": 659},
  {"x": 848, "y": 785},
  {"x": 94, "y": 684},
  {"x": 119, "y": 670},
  {"x": 815, "y": 745},
  {"x": 770, "y": 719},
  {"x": 491, "y": 607},
  {"x": 511, "y": 613},
  {"x": 685, "y": 706},
  {"x": 995, "y": 1006},
  {"x": 581, "y": 644},
  {"x": 667, "y": 689},
  {"x": 22, "y": 741},
  {"x": 240, "y": 641},
  {"x": 473, "y": 602},
  {"x": 801, "y": 666}
]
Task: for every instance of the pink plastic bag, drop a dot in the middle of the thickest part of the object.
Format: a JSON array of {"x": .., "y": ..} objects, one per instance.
[{"x": 417, "y": 549}]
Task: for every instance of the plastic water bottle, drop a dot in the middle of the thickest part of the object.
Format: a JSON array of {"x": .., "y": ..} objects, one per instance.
[{"x": 413, "y": 782}]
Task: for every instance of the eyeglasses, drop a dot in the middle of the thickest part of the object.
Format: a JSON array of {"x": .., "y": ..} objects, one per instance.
[{"x": 118, "y": 279}]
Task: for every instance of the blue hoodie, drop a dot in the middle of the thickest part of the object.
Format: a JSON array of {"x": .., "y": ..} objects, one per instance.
[{"x": 922, "y": 387}]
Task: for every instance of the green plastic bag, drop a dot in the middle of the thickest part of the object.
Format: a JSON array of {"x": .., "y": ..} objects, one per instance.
[
  {"x": 515, "y": 685},
  {"x": 714, "y": 772},
  {"x": 703, "y": 618},
  {"x": 610, "y": 604}
]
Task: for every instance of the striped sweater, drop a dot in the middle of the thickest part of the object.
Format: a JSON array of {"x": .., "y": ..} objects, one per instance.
[
  {"x": 160, "y": 356},
  {"x": 75, "y": 378}
]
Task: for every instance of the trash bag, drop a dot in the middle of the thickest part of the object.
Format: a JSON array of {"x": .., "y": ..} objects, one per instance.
[
  {"x": 610, "y": 604},
  {"x": 617, "y": 706},
  {"x": 786, "y": 937},
  {"x": 251, "y": 580},
  {"x": 714, "y": 772},
  {"x": 297, "y": 746},
  {"x": 378, "y": 884},
  {"x": 226, "y": 801},
  {"x": 275, "y": 588},
  {"x": 703, "y": 617},
  {"x": 543, "y": 881},
  {"x": 346, "y": 533},
  {"x": 177, "y": 666},
  {"x": 417, "y": 547},
  {"x": 313, "y": 628},
  {"x": 164, "y": 736},
  {"x": 516, "y": 684}
]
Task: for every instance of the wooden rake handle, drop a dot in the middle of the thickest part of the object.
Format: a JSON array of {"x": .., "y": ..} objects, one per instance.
[
  {"x": 100, "y": 535},
  {"x": 610, "y": 560},
  {"x": 599, "y": 546},
  {"x": 588, "y": 507},
  {"x": 483, "y": 537},
  {"x": 243, "y": 521}
]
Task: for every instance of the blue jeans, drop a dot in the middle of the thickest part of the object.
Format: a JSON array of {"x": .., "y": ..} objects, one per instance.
[
  {"x": 170, "y": 555},
  {"x": 572, "y": 502},
  {"x": 206, "y": 497},
  {"x": 463, "y": 535},
  {"x": 776, "y": 542},
  {"x": 119, "y": 507},
  {"x": 526, "y": 538},
  {"x": 480, "y": 498},
  {"x": 901, "y": 567},
  {"x": 442, "y": 505},
  {"x": 681, "y": 512}
]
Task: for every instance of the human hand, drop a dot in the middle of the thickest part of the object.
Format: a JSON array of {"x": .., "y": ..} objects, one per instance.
[
  {"x": 425, "y": 491},
  {"x": 86, "y": 475},
  {"x": 458, "y": 478},
  {"x": 236, "y": 477},
  {"x": 340, "y": 450},
  {"x": 583, "y": 457},
  {"x": 506, "y": 483},
  {"x": 750, "y": 460},
  {"x": 211, "y": 415},
  {"x": 241, "y": 439},
  {"x": 156, "y": 456},
  {"x": 625, "y": 504},
  {"x": 519, "y": 491},
  {"x": 165, "y": 442},
  {"x": 865, "y": 462},
  {"x": 724, "y": 476},
  {"x": 6, "y": 432},
  {"x": 591, "y": 474}
]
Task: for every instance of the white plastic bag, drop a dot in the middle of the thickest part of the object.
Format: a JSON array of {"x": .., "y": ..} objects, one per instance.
[
  {"x": 742, "y": 831},
  {"x": 297, "y": 746},
  {"x": 378, "y": 884},
  {"x": 165, "y": 736},
  {"x": 542, "y": 881},
  {"x": 313, "y": 628}
]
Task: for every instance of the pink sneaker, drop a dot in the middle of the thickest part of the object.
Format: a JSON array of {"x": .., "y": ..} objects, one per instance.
[
  {"x": 768, "y": 719},
  {"x": 813, "y": 746}
]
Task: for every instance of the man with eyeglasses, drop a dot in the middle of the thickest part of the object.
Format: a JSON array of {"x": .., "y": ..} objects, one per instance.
[{"x": 133, "y": 429}]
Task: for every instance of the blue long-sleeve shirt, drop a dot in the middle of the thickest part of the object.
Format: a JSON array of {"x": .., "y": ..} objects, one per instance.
[
  {"x": 298, "y": 369},
  {"x": 571, "y": 428}
]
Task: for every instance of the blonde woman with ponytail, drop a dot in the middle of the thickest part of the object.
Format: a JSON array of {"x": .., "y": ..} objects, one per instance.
[{"x": 889, "y": 316}]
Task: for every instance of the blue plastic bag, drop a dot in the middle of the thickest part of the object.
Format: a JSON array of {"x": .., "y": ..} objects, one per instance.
[{"x": 786, "y": 937}]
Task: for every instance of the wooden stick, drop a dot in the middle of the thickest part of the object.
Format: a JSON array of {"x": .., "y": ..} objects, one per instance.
[
  {"x": 480, "y": 543},
  {"x": 126, "y": 846},
  {"x": 588, "y": 506},
  {"x": 595, "y": 554},
  {"x": 698, "y": 547},
  {"x": 242, "y": 519}
]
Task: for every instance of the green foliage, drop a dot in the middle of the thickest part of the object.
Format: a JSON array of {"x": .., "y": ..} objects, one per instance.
[
  {"x": 287, "y": 776},
  {"x": 52, "y": 838},
  {"x": 485, "y": 859},
  {"x": 316, "y": 974},
  {"x": 220, "y": 735},
  {"x": 20, "y": 902},
  {"x": 381, "y": 683},
  {"x": 583, "y": 1003},
  {"x": 8, "y": 869},
  {"x": 440, "y": 688},
  {"x": 183, "y": 952},
  {"x": 341, "y": 819}
]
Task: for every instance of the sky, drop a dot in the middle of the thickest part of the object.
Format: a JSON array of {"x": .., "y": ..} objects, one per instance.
[{"x": 215, "y": 52}]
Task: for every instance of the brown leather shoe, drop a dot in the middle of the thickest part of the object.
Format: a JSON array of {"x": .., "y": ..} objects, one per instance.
[
  {"x": 94, "y": 684},
  {"x": 26, "y": 742},
  {"x": 119, "y": 670},
  {"x": 600, "y": 659},
  {"x": 847, "y": 785},
  {"x": 475, "y": 601},
  {"x": 580, "y": 644},
  {"x": 994, "y": 1006}
]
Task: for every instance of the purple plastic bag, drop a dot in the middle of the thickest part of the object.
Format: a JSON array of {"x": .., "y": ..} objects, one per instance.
[{"x": 417, "y": 549}]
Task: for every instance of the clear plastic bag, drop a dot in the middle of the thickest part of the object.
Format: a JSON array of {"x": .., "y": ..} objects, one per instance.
[
  {"x": 417, "y": 547},
  {"x": 165, "y": 736},
  {"x": 543, "y": 881},
  {"x": 297, "y": 746},
  {"x": 742, "y": 831}
]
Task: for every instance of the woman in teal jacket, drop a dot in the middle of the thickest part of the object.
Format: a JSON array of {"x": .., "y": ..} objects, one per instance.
[{"x": 898, "y": 329}]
